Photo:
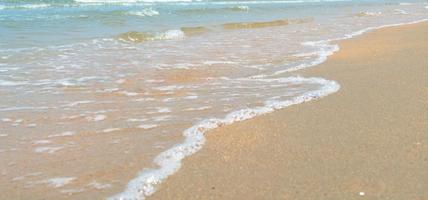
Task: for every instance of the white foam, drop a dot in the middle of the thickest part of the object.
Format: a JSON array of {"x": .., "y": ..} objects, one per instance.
[
  {"x": 130, "y": 94},
  {"x": 214, "y": 62},
  {"x": 63, "y": 134},
  {"x": 136, "y": 120},
  {"x": 129, "y": 1},
  {"x": 42, "y": 142},
  {"x": 170, "y": 35},
  {"x": 99, "y": 118},
  {"x": 373, "y": 14},
  {"x": 198, "y": 109},
  {"x": 144, "y": 99},
  {"x": 243, "y": 8},
  {"x": 6, "y": 120},
  {"x": 170, "y": 160},
  {"x": 25, "y": 6},
  {"x": 401, "y": 12},
  {"x": 99, "y": 186},
  {"x": 163, "y": 110},
  {"x": 147, "y": 12},
  {"x": 326, "y": 48},
  {"x": 191, "y": 97},
  {"x": 147, "y": 126},
  {"x": 161, "y": 118},
  {"x": 59, "y": 181},
  {"x": 12, "y": 83},
  {"x": 31, "y": 125},
  {"x": 3, "y": 135},
  {"x": 78, "y": 103},
  {"x": 108, "y": 130},
  {"x": 49, "y": 150},
  {"x": 120, "y": 81},
  {"x": 169, "y": 88}
]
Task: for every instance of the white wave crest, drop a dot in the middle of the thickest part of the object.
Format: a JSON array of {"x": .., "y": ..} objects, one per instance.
[
  {"x": 170, "y": 160},
  {"x": 147, "y": 12}
]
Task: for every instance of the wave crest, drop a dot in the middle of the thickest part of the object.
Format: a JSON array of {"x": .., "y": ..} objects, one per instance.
[
  {"x": 147, "y": 12},
  {"x": 138, "y": 37},
  {"x": 252, "y": 25}
]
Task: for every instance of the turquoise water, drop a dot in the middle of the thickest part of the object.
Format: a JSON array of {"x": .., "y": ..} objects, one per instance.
[
  {"x": 66, "y": 22},
  {"x": 134, "y": 85}
]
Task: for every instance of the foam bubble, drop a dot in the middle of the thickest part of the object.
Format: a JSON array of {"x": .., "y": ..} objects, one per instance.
[
  {"x": 11, "y": 83},
  {"x": 42, "y": 142},
  {"x": 99, "y": 186},
  {"x": 108, "y": 130},
  {"x": 136, "y": 120},
  {"x": 198, "y": 109},
  {"x": 76, "y": 103},
  {"x": 147, "y": 12},
  {"x": 99, "y": 118},
  {"x": 6, "y": 120},
  {"x": 59, "y": 181},
  {"x": 49, "y": 150},
  {"x": 401, "y": 12},
  {"x": 170, "y": 160},
  {"x": 31, "y": 125},
  {"x": 130, "y": 94},
  {"x": 163, "y": 110},
  {"x": 63, "y": 134},
  {"x": 147, "y": 126}
]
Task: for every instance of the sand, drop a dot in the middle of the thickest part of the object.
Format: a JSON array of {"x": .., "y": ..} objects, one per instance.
[{"x": 369, "y": 140}]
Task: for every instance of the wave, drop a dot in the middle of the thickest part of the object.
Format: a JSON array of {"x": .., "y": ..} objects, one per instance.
[
  {"x": 368, "y": 14},
  {"x": 24, "y": 6},
  {"x": 147, "y": 12},
  {"x": 131, "y": 1},
  {"x": 139, "y": 37},
  {"x": 204, "y": 10},
  {"x": 189, "y": 31},
  {"x": 252, "y": 25},
  {"x": 169, "y": 161}
]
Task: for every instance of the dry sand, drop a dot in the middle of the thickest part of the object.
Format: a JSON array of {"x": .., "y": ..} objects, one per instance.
[{"x": 369, "y": 140}]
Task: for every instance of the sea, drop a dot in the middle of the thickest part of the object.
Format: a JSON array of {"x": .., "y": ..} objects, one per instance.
[{"x": 103, "y": 99}]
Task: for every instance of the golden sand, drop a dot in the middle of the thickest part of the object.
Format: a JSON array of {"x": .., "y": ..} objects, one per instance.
[{"x": 369, "y": 140}]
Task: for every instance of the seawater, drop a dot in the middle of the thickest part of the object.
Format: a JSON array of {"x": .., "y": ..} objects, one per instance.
[{"x": 103, "y": 99}]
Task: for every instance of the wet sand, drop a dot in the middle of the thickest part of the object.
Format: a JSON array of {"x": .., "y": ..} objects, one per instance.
[{"x": 369, "y": 140}]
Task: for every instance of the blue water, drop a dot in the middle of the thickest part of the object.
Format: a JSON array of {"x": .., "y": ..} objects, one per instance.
[
  {"x": 39, "y": 23},
  {"x": 133, "y": 85}
]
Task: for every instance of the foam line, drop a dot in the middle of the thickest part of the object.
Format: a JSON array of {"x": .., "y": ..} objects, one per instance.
[{"x": 169, "y": 161}]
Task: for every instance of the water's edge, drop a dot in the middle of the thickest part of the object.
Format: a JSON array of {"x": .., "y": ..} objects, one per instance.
[{"x": 169, "y": 161}]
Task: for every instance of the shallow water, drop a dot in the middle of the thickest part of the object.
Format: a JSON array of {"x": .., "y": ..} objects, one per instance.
[{"x": 96, "y": 92}]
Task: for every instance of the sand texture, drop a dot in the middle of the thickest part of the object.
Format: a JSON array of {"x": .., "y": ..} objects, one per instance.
[{"x": 369, "y": 140}]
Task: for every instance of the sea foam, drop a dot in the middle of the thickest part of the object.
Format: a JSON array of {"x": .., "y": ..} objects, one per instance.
[{"x": 169, "y": 161}]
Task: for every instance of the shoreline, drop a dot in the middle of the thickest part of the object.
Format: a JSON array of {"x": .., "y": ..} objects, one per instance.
[{"x": 166, "y": 187}]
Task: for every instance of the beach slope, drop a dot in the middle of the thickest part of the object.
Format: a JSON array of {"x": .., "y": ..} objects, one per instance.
[{"x": 369, "y": 140}]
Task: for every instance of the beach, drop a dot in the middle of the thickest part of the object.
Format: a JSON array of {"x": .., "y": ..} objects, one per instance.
[
  {"x": 213, "y": 99},
  {"x": 369, "y": 140}
]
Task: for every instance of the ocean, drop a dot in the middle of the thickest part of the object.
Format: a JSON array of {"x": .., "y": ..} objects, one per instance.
[{"x": 104, "y": 98}]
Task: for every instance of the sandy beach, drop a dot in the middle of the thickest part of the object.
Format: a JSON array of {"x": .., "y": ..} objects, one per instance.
[{"x": 369, "y": 140}]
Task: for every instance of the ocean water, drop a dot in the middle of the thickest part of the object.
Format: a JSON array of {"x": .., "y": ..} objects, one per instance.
[{"x": 104, "y": 98}]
